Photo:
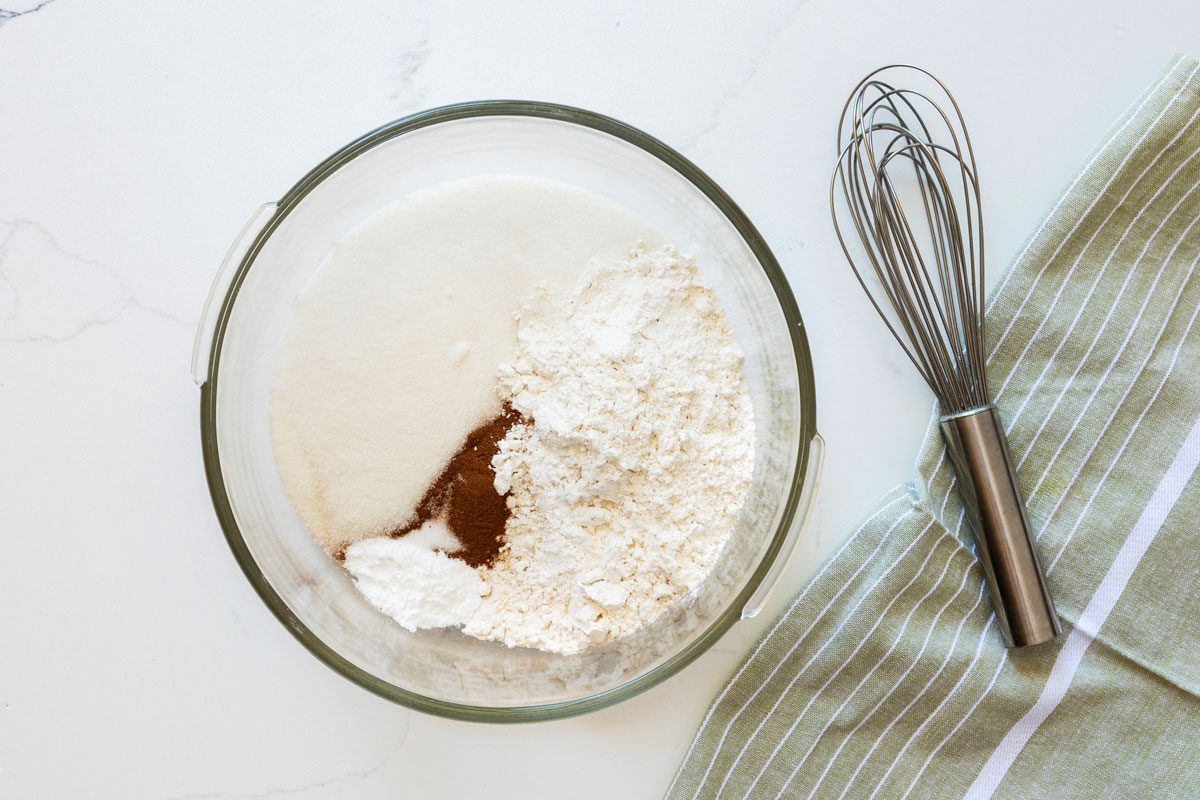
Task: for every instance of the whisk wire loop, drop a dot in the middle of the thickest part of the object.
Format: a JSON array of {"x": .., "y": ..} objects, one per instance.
[{"x": 913, "y": 204}]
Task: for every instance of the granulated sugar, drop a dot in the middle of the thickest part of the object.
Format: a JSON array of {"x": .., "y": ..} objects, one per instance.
[{"x": 391, "y": 356}]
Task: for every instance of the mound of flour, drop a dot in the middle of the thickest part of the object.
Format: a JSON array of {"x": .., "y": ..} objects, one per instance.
[{"x": 627, "y": 483}]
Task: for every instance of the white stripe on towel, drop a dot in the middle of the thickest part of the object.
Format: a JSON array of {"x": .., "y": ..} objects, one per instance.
[
  {"x": 1124, "y": 396},
  {"x": 890, "y": 692},
  {"x": 1128, "y": 438},
  {"x": 1098, "y": 609},
  {"x": 1062, "y": 198},
  {"x": 983, "y": 637},
  {"x": 1137, "y": 320},
  {"x": 924, "y": 689},
  {"x": 937, "y": 584},
  {"x": 1112, "y": 177},
  {"x": 1120, "y": 204},
  {"x": 832, "y": 637},
  {"x": 1100, "y": 274},
  {"x": 783, "y": 618}
]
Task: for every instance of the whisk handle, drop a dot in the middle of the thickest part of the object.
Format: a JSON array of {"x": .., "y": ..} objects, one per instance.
[{"x": 978, "y": 451}]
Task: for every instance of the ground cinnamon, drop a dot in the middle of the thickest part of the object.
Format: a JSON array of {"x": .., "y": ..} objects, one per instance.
[{"x": 464, "y": 497}]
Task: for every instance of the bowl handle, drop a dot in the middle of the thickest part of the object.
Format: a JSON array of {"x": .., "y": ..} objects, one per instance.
[
  {"x": 202, "y": 351},
  {"x": 808, "y": 496}
]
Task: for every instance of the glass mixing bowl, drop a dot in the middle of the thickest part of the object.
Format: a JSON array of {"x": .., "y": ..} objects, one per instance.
[{"x": 443, "y": 671}]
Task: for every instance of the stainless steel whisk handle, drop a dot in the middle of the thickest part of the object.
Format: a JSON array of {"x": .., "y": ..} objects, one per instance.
[{"x": 978, "y": 451}]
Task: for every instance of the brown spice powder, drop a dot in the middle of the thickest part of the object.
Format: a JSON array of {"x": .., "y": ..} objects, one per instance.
[{"x": 464, "y": 497}]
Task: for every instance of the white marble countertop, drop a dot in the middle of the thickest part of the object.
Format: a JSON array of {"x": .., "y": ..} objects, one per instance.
[{"x": 137, "y": 137}]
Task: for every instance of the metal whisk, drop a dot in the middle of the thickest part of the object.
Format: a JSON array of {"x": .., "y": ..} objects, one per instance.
[{"x": 912, "y": 200}]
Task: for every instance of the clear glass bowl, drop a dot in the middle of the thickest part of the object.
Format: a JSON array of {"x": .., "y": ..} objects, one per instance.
[{"x": 443, "y": 671}]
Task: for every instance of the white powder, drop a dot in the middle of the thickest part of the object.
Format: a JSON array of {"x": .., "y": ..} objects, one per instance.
[
  {"x": 416, "y": 585},
  {"x": 629, "y": 480},
  {"x": 390, "y": 358}
]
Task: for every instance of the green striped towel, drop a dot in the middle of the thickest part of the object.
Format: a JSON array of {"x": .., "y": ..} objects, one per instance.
[{"x": 886, "y": 678}]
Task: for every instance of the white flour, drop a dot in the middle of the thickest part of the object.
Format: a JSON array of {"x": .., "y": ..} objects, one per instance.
[{"x": 628, "y": 483}]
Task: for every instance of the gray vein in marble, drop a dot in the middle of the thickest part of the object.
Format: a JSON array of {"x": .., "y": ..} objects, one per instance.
[
  {"x": 744, "y": 79},
  {"x": 6, "y": 14},
  {"x": 49, "y": 294},
  {"x": 357, "y": 775},
  {"x": 409, "y": 94}
]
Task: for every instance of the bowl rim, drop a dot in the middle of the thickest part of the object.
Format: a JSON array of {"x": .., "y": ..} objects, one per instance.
[{"x": 805, "y": 385}]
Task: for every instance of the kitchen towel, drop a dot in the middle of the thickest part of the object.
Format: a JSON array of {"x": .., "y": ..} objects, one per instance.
[{"x": 886, "y": 677}]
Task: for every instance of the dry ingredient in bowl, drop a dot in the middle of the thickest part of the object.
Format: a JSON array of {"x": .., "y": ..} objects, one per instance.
[
  {"x": 628, "y": 483},
  {"x": 497, "y": 416},
  {"x": 624, "y": 479},
  {"x": 413, "y": 581}
]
